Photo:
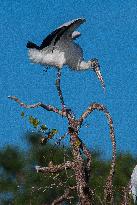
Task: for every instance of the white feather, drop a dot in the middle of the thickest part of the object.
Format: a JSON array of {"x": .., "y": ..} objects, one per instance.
[{"x": 134, "y": 183}]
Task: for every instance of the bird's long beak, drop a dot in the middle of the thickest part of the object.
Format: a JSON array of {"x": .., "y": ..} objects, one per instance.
[{"x": 96, "y": 69}]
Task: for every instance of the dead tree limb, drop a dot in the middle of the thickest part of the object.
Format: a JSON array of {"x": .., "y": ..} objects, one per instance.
[
  {"x": 84, "y": 193},
  {"x": 87, "y": 153},
  {"x": 83, "y": 190},
  {"x": 108, "y": 191},
  {"x": 39, "y": 104},
  {"x": 55, "y": 168}
]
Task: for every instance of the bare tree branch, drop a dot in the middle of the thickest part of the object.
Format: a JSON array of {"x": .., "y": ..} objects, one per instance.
[
  {"x": 82, "y": 172},
  {"x": 92, "y": 107},
  {"x": 39, "y": 104},
  {"x": 89, "y": 160},
  {"x": 83, "y": 189},
  {"x": 108, "y": 191},
  {"x": 55, "y": 168}
]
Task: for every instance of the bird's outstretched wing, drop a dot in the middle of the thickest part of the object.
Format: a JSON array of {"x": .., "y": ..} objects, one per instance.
[{"x": 64, "y": 30}]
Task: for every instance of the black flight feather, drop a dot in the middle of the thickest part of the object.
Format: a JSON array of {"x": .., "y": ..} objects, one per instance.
[{"x": 32, "y": 45}]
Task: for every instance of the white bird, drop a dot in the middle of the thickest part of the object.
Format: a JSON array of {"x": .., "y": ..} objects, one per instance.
[
  {"x": 134, "y": 184},
  {"x": 59, "y": 48}
]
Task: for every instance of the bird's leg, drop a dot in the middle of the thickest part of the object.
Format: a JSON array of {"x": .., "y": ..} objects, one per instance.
[
  {"x": 96, "y": 68},
  {"x": 59, "y": 89},
  {"x": 64, "y": 108}
]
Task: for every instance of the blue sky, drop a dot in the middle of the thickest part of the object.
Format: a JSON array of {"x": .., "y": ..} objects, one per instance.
[{"x": 109, "y": 34}]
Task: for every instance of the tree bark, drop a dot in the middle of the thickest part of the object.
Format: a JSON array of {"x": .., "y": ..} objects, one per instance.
[
  {"x": 84, "y": 193},
  {"x": 83, "y": 190}
]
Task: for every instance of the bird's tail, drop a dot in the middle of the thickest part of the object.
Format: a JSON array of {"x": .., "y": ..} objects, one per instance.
[{"x": 32, "y": 45}]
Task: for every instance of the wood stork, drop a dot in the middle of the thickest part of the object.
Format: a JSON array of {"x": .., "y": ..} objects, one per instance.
[{"x": 59, "y": 48}]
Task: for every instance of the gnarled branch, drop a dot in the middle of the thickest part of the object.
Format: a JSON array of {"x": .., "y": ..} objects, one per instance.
[{"x": 108, "y": 192}]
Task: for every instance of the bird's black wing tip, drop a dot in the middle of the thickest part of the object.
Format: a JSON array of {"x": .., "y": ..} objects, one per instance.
[
  {"x": 80, "y": 19},
  {"x": 32, "y": 45}
]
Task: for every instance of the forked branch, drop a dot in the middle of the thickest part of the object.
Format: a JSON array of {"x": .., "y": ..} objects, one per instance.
[{"x": 77, "y": 165}]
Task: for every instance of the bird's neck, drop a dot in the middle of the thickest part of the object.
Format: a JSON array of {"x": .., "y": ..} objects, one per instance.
[{"x": 85, "y": 65}]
